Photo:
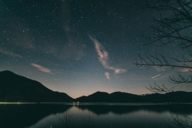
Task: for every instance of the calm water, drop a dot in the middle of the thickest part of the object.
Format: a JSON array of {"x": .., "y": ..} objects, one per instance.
[{"x": 95, "y": 116}]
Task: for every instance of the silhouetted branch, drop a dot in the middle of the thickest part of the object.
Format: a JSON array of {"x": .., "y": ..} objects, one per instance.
[
  {"x": 175, "y": 24},
  {"x": 161, "y": 61},
  {"x": 158, "y": 61},
  {"x": 156, "y": 88},
  {"x": 180, "y": 79},
  {"x": 183, "y": 60}
]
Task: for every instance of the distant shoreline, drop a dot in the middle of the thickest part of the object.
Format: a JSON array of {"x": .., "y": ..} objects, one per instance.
[{"x": 92, "y": 104}]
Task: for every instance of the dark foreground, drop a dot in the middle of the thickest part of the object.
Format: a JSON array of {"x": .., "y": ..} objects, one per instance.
[{"x": 95, "y": 116}]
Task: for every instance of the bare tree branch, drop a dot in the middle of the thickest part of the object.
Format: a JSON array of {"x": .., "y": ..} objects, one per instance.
[
  {"x": 161, "y": 88},
  {"x": 180, "y": 79},
  {"x": 160, "y": 61},
  {"x": 174, "y": 26}
]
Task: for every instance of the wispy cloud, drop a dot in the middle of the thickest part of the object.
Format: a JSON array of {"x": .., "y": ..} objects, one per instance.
[
  {"x": 41, "y": 68},
  {"x": 107, "y": 75},
  {"x": 9, "y": 53},
  {"x": 185, "y": 70},
  {"x": 103, "y": 57}
]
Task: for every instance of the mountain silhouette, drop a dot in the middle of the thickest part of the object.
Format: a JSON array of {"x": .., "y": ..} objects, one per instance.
[
  {"x": 14, "y": 87},
  {"x": 122, "y": 97},
  {"x": 106, "y": 97}
]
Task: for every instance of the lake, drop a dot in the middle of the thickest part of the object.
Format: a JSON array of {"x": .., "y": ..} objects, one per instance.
[{"x": 95, "y": 116}]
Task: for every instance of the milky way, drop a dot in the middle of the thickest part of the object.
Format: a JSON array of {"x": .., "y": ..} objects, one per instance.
[
  {"x": 80, "y": 46},
  {"x": 103, "y": 57}
]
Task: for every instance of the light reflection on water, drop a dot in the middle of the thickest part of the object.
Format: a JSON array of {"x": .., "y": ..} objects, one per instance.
[
  {"x": 76, "y": 117},
  {"x": 62, "y": 116}
]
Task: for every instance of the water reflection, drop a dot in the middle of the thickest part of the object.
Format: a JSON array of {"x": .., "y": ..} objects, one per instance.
[
  {"x": 96, "y": 116},
  {"x": 183, "y": 121},
  {"x": 172, "y": 108},
  {"x": 22, "y": 116}
]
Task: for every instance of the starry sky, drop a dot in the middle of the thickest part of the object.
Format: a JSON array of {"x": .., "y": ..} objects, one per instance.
[{"x": 79, "y": 46}]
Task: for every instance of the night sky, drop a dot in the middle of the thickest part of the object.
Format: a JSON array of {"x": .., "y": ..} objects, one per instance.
[{"x": 80, "y": 46}]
